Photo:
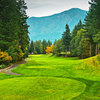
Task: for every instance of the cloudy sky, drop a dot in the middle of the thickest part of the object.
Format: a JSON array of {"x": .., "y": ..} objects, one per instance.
[{"x": 40, "y": 8}]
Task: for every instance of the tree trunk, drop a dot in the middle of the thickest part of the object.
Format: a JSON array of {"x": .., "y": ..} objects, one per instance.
[
  {"x": 66, "y": 52},
  {"x": 96, "y": 49},
  {"x": 90, "y": 50}
]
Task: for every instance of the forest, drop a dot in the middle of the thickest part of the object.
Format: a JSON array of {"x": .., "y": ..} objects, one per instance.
[
  {"x": 83, "y": 41},
  {"x": 13, "y": 31}
]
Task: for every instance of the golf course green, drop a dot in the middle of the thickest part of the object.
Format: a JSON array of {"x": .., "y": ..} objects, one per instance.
[{"x": 47, "y": 77}]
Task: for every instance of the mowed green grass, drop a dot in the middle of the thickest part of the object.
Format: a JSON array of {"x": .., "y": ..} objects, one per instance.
[
  {"x": 42, "y": 88},
  {"x": 46, "y": 77}
]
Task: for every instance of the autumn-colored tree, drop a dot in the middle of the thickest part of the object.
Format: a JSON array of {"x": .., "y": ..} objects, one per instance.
[
  {"x": 5, "y": 58},
  {"x": 52, "y": 49},
  {"x": 16, "y": 53},
  {"x": 47, "y": 50}
]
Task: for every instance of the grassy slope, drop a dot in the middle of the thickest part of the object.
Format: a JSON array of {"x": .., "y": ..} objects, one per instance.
[{"x": 47, "y": 77}]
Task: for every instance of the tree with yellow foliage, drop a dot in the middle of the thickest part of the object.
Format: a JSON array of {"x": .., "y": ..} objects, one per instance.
[
  {"x": 47, "y": 50},
  {"x": 52, "y": 49},
  {"x": 5, "y": 58}
]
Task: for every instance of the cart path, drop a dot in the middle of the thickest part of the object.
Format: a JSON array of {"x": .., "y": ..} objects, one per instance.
[{"x": 8, "y": 69}]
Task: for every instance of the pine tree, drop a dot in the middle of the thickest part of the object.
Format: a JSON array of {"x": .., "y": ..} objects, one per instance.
[
  {"x": 44, "y": 43},
  {"x": 8, "y": 17},
  {"x": 22, "y": 35},
  {"x": 31, "y": 47},
  {"x": 73, "y": 35},
  {"x": 13, "y": 26},
  {"x": 82, "y": 44},
  {"x": 92, "y": 24},
  {"x": 49, "y": 43},
  {"x": 58, "y": 47},
  {"x": 66, "y": 38}
]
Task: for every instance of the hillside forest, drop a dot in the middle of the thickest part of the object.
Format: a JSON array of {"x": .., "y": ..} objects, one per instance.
[{"x": 82, "y": 42}]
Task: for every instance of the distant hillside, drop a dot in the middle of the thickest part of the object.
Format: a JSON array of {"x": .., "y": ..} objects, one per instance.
[{"x": 52, "y": 27}]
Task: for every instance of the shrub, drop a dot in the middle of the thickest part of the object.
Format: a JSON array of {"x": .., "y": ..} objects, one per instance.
[
  {"x": 16, "y": 53},
  {"x": 2, "y": 66},
  {"x": 5, "y": 58},
  {"x": 26, "y": 54},
  {"x": 35, "y": 52}
]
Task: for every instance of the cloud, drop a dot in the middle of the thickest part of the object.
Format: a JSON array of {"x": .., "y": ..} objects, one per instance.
[{"x": 48, "y": 7}]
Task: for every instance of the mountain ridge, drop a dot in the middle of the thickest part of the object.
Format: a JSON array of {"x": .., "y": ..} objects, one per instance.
[
  {"x": 58, "y": 13},
  {"x": 52, "y": 27}
]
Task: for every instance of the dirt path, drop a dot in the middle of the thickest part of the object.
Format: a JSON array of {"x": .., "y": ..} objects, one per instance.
[{"x": 8, "y": 69}]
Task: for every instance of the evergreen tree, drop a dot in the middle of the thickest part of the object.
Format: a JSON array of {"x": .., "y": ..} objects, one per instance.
[
  {"x": 38, "y": 47},
  {"x": 45, "y": 44},
  {"x": 58, "y": 47},
  {"x": 92, "y": 25},
  {"x": 73, "y": 45},
  {"x": 22, "y": 35},
  {"x": 13, "y": 26},
  {"x": 8, "y": 11},
  {"x": 66, "y": 38},
  {"x": 76, "y": 29},
  {"x": 82, "y": 44},
  {"x": 31, "y": 48},
  {"x": 49, "y": 43}
]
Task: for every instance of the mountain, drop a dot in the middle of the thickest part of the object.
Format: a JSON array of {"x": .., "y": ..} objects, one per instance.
[{"x": 52, "y": 27}]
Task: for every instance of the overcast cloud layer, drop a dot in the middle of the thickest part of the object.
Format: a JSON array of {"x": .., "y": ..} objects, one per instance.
[{"x": 40, "y": 8}]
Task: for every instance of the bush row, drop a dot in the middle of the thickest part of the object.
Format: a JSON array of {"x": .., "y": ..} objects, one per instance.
[{"x": 12, "y": 55}]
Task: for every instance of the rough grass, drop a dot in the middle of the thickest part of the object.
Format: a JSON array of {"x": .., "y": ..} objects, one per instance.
[{"x": 46, "y": 77}]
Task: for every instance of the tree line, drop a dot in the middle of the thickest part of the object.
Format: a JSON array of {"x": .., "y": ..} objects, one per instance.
[
  {"x": 38, "y": 47},
  {"x": 13, "y": 29},
  {"x": 84, "y": 40}
]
